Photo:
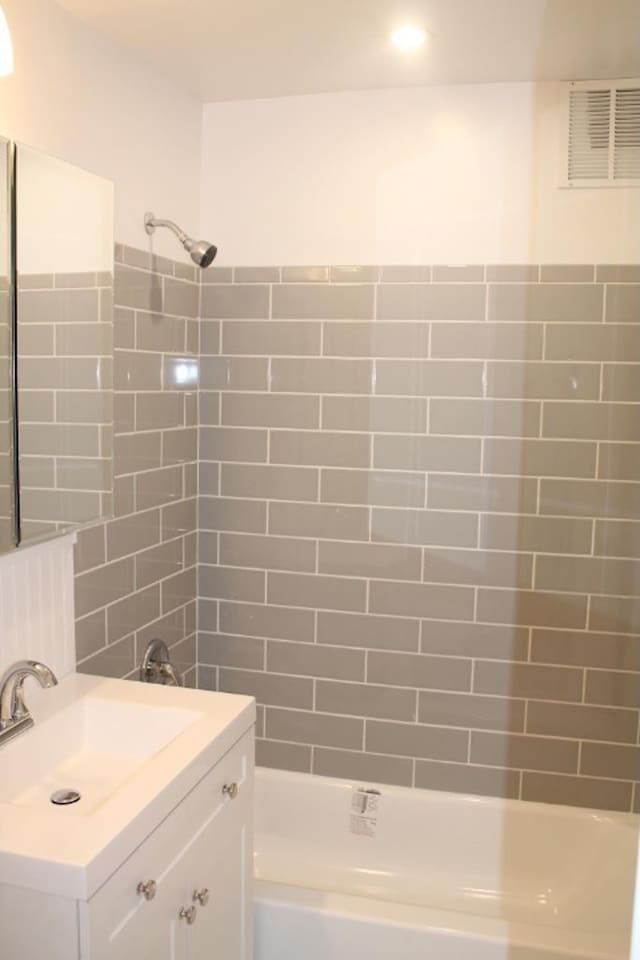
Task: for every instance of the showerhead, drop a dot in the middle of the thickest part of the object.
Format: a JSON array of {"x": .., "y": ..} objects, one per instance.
[{"x": 201, "y": 251}]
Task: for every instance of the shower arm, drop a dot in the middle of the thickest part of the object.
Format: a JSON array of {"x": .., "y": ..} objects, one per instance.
[
  {"x": 150, "y": 224},
  {"x": 202, "y": 252}
]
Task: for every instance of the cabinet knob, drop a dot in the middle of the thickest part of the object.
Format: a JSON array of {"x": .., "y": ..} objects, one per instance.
[
  {"x": 201, "y": 896},
  {"x": 147, "y": 888},
  {"x": 230, "y": 790},
  {"x": 188, "y": 914}
]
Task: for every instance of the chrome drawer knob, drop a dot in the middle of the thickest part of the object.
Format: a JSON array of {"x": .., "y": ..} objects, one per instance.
[
  {"x": 230, "y": 790},
  {"x": 147, "y": 889},
  {"x": 188, "y": 914},
  {"x": 201, "y": 896}
]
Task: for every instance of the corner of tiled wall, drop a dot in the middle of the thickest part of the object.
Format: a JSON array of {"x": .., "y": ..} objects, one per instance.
[{"x": 136, "y": 574}]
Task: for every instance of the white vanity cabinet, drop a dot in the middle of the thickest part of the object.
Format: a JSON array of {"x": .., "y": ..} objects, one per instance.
[
  {"x": 185, "y": 893},
  {"x": 196, "y": 865},
  {"x": 153, "y": 859}
]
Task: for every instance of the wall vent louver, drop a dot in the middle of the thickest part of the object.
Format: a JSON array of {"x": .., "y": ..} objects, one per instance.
[{"x": 603, "y": 134}]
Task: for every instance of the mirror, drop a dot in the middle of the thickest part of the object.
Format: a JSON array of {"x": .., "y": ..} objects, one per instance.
[
  {"x": 64, "y": 306},
  {"x": 7, "y": 509}
]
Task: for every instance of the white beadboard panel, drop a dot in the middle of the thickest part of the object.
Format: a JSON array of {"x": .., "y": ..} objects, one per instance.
[{"x": 36, "y": 606}]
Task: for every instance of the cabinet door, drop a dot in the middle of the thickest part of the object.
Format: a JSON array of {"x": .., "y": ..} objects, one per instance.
[
  {"x": 221, "y": 864},
  {"x": 149, "y": 930},
  {"x": 204, "y": 843},
  {"x": 150, "y": 937}
]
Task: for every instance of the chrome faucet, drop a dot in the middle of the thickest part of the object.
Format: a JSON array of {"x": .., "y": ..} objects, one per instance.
[
  {"x": 14, "y": 715},
  {"x": 156, "y": 666}
]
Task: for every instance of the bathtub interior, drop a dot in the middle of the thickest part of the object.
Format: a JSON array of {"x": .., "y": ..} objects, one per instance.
[{"x": 521, "y": 863}]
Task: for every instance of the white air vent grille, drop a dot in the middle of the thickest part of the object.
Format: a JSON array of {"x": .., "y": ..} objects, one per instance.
[
  {"x": 626, "y": 154},
  {"x": 589, "y": 123},
  {"x": 603, "y": 134}
]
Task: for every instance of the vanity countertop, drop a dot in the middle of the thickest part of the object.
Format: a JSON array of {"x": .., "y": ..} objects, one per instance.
[{"x": 137, "y": 748}]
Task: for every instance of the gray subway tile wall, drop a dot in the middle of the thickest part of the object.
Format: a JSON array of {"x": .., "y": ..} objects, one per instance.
[
  {"x": 65, "y": 347},
  {"x": 136, "y": 574},
  {"x": 418, "y": 506},
  {"x": 418, "y": 515}
]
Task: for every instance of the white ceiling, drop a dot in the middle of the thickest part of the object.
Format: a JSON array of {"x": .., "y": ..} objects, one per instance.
[{"x": 242, "y": 49}]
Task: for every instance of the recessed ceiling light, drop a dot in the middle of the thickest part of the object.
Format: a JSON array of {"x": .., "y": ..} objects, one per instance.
[{"x": 408, "y": 38}]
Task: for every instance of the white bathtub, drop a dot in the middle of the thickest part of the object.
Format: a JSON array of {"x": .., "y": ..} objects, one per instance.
[{"x": 439, "y": 875}]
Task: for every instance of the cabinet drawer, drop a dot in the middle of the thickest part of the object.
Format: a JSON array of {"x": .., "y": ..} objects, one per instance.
[{"x": 117, "y": 914}]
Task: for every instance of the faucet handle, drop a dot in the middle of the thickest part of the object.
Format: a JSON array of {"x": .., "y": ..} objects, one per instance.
[{"x": 156, "y": 665}]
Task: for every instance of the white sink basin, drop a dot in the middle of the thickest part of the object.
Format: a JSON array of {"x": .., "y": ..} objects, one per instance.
[
  {"x": 92, "y": 747},
  {"x": 132, "y": 750}
]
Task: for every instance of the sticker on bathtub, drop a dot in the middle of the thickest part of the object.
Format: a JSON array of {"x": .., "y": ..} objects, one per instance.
[{"x": 364, "y": 811}]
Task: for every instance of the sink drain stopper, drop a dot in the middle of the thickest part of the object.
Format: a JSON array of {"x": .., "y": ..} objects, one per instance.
[{"x": 62, "y": 798}]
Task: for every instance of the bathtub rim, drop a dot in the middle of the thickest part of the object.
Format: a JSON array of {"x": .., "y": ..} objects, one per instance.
[
  {"x": 545, "y": 943},
  {"x": 561, "y": 810}
]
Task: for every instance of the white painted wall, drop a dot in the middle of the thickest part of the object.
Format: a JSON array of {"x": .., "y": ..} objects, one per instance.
[
  {"x": 78, "y": 97},
  {"x": 457, "y": 174},
  {"x": 65, "y": 216}
]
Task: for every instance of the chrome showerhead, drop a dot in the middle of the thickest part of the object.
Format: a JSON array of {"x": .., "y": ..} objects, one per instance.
[{"x": 201, "y": 251}]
